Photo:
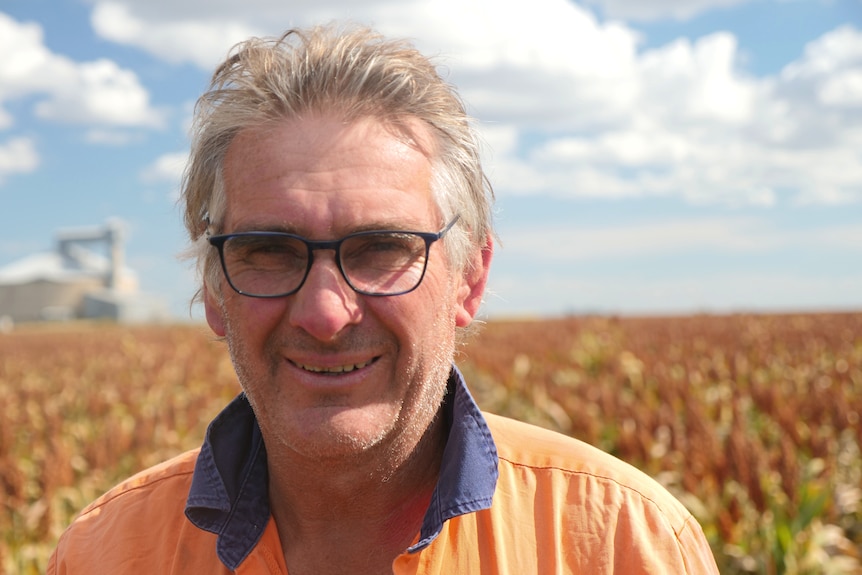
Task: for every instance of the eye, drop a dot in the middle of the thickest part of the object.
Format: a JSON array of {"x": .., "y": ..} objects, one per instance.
[
  {"x": 382, "y": 250},
  {"x": 378, "y": 243},
  {"x": 266, "y": 251}
]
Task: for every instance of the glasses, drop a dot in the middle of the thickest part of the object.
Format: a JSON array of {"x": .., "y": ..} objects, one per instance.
[{"x": 375, "y": 263}]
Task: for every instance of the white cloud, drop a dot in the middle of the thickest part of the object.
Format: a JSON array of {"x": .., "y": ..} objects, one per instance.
[
  {"x": 700, "y": 129},
  {"x": 199, "y": 41},
  {"x": 167, "y": 168},
  {"x": 734, "y": 235},
  {"x": 24, "y": 42},
  {"x": 570, "y": 106},
  {"x": 551, "y": 67},
  {"x": 838, "y": 49},
  {"x": 843, "y": 89},
  {"x": 17, "y": 156},
  {"x": 648, "y": 10},
  {"x": 728, "y": 235},
  {"x": 201, "y": 32},
  {"x": 831, "y": 68},
  {"x": 98, "y": 92},
  {"x": 697, "y": 81},
  {"x": 273, "y": 11}
]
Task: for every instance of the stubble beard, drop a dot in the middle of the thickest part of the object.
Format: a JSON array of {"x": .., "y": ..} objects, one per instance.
[{"x": 410, "y": 420}]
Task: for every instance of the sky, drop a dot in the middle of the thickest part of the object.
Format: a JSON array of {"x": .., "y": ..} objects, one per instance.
[{"x": 648, "y": 156}]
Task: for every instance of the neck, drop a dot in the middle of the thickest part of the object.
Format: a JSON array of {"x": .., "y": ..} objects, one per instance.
[{"x": 371, "y": 503}]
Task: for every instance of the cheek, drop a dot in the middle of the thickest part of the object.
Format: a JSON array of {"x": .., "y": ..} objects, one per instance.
[
  {"x": 252, "y": 319},
  {"x": 252, "y": 339},
  {"x": 430, "y": 316}
]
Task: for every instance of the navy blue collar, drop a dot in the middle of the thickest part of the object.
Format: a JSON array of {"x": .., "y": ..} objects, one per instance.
[{"x": 229, "y": 491}]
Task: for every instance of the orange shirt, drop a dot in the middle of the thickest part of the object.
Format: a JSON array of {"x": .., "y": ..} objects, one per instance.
[
  {"x": 562, "y": 506},
  {"x": 512, "y": 499}
]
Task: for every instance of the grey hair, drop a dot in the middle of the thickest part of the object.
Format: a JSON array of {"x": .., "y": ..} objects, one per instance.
[{"x": 355, "y": 73}]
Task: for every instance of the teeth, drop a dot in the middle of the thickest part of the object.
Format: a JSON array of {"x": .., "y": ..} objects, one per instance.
[{"x": 338, "y": 369}]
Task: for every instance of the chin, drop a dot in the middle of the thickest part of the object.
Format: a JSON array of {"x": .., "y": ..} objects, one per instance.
[{"x": 337, "y": 431}]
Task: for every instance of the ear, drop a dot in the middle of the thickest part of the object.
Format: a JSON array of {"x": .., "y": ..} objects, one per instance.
[
  {"x": 473, "y": 283},
  {"x": 215, "y": 315}
]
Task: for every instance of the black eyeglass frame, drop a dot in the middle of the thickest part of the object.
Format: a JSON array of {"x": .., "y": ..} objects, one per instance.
[{"x": 218, "y": 241}]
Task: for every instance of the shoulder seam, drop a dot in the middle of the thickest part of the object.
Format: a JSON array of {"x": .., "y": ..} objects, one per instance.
[
  {"x": 122, "y": 489},
  {"x": 687, "y": 514}
]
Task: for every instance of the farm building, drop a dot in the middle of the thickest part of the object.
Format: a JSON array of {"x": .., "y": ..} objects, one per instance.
[{"x": 76, "y": 282}]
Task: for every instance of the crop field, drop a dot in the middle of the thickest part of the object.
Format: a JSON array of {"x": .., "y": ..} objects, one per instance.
[{"x": 753, "y": 421}]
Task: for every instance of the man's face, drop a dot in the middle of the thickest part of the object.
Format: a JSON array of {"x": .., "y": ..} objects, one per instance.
[{"x": 328, "y": 371}]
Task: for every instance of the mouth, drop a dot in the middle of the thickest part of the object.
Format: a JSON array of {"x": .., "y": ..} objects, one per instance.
[{"x": 334, "y": 370}]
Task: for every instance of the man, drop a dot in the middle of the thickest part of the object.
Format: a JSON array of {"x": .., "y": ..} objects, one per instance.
[{"x": 341, "y": 221}]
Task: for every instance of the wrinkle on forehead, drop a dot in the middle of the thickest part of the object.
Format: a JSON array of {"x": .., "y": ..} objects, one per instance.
[{"x": 333, "y": 158}]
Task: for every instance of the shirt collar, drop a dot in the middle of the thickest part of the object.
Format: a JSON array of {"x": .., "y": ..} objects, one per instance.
[{"x": 229, "y": 491}]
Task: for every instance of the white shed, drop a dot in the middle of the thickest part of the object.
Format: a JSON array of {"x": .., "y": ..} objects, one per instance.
[{"x": 75, "y": 281}]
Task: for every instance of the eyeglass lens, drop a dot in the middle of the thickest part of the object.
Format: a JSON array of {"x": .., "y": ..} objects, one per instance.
[{"x": 375, "y": 263}]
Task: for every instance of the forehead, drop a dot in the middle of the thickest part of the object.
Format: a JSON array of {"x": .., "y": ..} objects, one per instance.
[{"x": 321, "y": 174}]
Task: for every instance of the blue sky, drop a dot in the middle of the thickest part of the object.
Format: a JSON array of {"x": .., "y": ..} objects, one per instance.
[{"x": 649, "y": 156}]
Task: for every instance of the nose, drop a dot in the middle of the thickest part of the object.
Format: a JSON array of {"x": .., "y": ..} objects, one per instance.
[{"x": 325, "y": 305}]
